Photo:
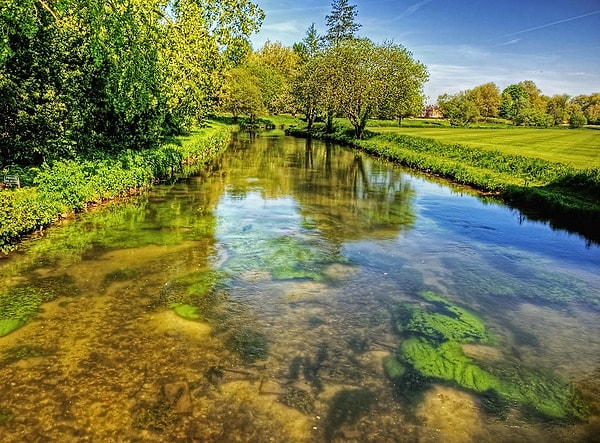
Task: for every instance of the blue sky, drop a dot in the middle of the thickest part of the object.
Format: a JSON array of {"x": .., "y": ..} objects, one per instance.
[{"x": 467, "y": 43}]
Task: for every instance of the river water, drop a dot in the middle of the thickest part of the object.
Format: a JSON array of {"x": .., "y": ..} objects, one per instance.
[{"x": 273, "y": 297}]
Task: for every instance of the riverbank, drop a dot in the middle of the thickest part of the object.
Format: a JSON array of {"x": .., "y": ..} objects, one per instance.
[
  {"x": 565, "y": 196},
  {"x": 56, "y": 191}
]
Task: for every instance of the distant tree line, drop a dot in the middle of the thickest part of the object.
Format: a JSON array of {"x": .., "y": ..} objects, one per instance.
[
  {"x": 337, "y": 74},
  {"x": 522, "y": 103},
  {"x": 96, "y": 77}
]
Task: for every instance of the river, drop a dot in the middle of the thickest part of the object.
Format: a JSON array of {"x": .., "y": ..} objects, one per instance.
[{"x": 298, "y": 291}]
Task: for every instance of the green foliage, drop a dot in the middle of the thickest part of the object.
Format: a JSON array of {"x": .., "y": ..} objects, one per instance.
[
  {"x": 578, "y": 119},
  {"x": 69, "y": 185},
  {"x": 433, "y": 333},
  {"x": 81, "y": 78}
]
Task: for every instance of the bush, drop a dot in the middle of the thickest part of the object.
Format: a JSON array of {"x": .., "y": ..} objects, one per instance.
[{"x": 577, "y": 120}]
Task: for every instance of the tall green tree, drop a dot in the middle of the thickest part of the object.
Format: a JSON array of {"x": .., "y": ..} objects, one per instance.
[
  {"x": 514, "y": 102},
  {"x": 241, "y": 94},
  {"x": 401, "y": 82},
  {"x": 557, "y": 108},
  {"x": 341, "y": 23},
  {"x": 341, "y": 27},
  {"x": 309, "y": 84},
  {"x": 459, "y": 108}
]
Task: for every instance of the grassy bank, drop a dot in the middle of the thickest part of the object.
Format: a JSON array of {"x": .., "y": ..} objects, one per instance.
[
  {"x": 56, "y": 190},
  {"x": 559, "y": 192},
  {"x": 579, "y": 148}
]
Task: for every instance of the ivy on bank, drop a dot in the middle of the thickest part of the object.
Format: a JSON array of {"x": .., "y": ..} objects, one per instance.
[{"x": 54, "y": 190}]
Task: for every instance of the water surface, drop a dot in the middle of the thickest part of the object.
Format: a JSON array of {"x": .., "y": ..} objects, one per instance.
[{"x": 259, "y": 300}]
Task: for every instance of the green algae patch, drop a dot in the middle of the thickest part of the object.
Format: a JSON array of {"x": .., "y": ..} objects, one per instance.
[
  {"x": 440, "y": 321},
  {"x": 18, "y": 306},
  {"x": 434, "y": 332},
  {"x": 393, "y": 368},
  {"x": 447, "y": 362},
  {"x": 186, "y": 311},
  {"x": 8, "y": 325}
]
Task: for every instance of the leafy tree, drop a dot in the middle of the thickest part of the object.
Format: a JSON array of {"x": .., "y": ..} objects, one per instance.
[
  {"x": 85, "y": 77},
  {"x": 365, "y": 78},
  {"x": 590, "y": 105},
  {"x": 534, "y": 95},
  {"x": 459, "y": 108},
  {"x": 341, "y": 27},
  {"x": 241, "y": 94},
  {"x": 514, "y": 102},
  {"x": 341, "y": 23},
  {"x": 487, "y": 99},
  {"x": 309, "y": 83},
  {"x": 577, "y": 118},
  {"x": 592, "y": 114},
  {"x": 310, "y": 45},
  {"x": 557, "y": 108},
  {"x": 281, "y": 63},
  {"x": 401, "y": 81}
]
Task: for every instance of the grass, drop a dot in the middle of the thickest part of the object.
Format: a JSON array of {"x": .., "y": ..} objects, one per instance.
[{"x": 579, "y": 148}]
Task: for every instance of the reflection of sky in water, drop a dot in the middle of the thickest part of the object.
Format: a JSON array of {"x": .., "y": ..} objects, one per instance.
[{"x": 465, "y": 218}]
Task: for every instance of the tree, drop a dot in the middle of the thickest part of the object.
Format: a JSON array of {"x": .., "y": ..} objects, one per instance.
[
  {"x": 279, "y": 68},
  {"x": 459, "y": 108},
  {"x": 310, "y": 45},
  {"x": 487, "y": 99},
  {"x": 557, "y": 108},
  {"x": 590, "y": 105},
  {"x": 514, "y": 101},
  {"x": 365, "y": 77},
  {"x": 341, "y": 24},
  {"x": 401, "y": 81},
  {"x": 309, "y": 84},
  {"x": 577, "y": 118},
  {"x": 241, "y": 94},
  {"x": 86, "y": 77}
]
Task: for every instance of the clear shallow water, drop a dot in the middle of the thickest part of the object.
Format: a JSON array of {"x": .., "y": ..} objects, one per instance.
[{"x": 259, "y": 300}]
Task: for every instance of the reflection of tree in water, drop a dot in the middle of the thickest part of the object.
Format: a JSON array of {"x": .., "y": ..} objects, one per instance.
[{"x": 342, "y": 193}]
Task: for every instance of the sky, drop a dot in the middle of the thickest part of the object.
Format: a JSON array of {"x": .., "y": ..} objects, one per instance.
[{"x": 466, "y": 43}]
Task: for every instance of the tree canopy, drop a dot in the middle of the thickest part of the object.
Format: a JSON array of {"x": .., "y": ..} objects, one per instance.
[{"x": 90, "y": 77}]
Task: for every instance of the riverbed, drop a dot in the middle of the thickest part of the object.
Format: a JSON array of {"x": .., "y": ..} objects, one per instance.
[{"x": 271, "y": 297}]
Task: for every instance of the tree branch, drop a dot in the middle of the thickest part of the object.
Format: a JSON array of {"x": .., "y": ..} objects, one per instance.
[{"x": 49, "y": 9}]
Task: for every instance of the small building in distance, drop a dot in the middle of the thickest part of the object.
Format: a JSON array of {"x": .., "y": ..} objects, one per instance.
[{"x": 431, "y": 111}]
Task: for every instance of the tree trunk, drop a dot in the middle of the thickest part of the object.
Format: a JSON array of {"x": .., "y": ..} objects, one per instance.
[{"x": 329, "y": 125}]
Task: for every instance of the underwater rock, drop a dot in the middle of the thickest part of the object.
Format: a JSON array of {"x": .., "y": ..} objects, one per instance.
[
  {"x": 178, "y": 397},
  {"x": 298, "y": 399}
]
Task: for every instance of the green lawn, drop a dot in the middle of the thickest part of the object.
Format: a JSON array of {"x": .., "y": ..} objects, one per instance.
[{"x": 577, "y": 147}]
